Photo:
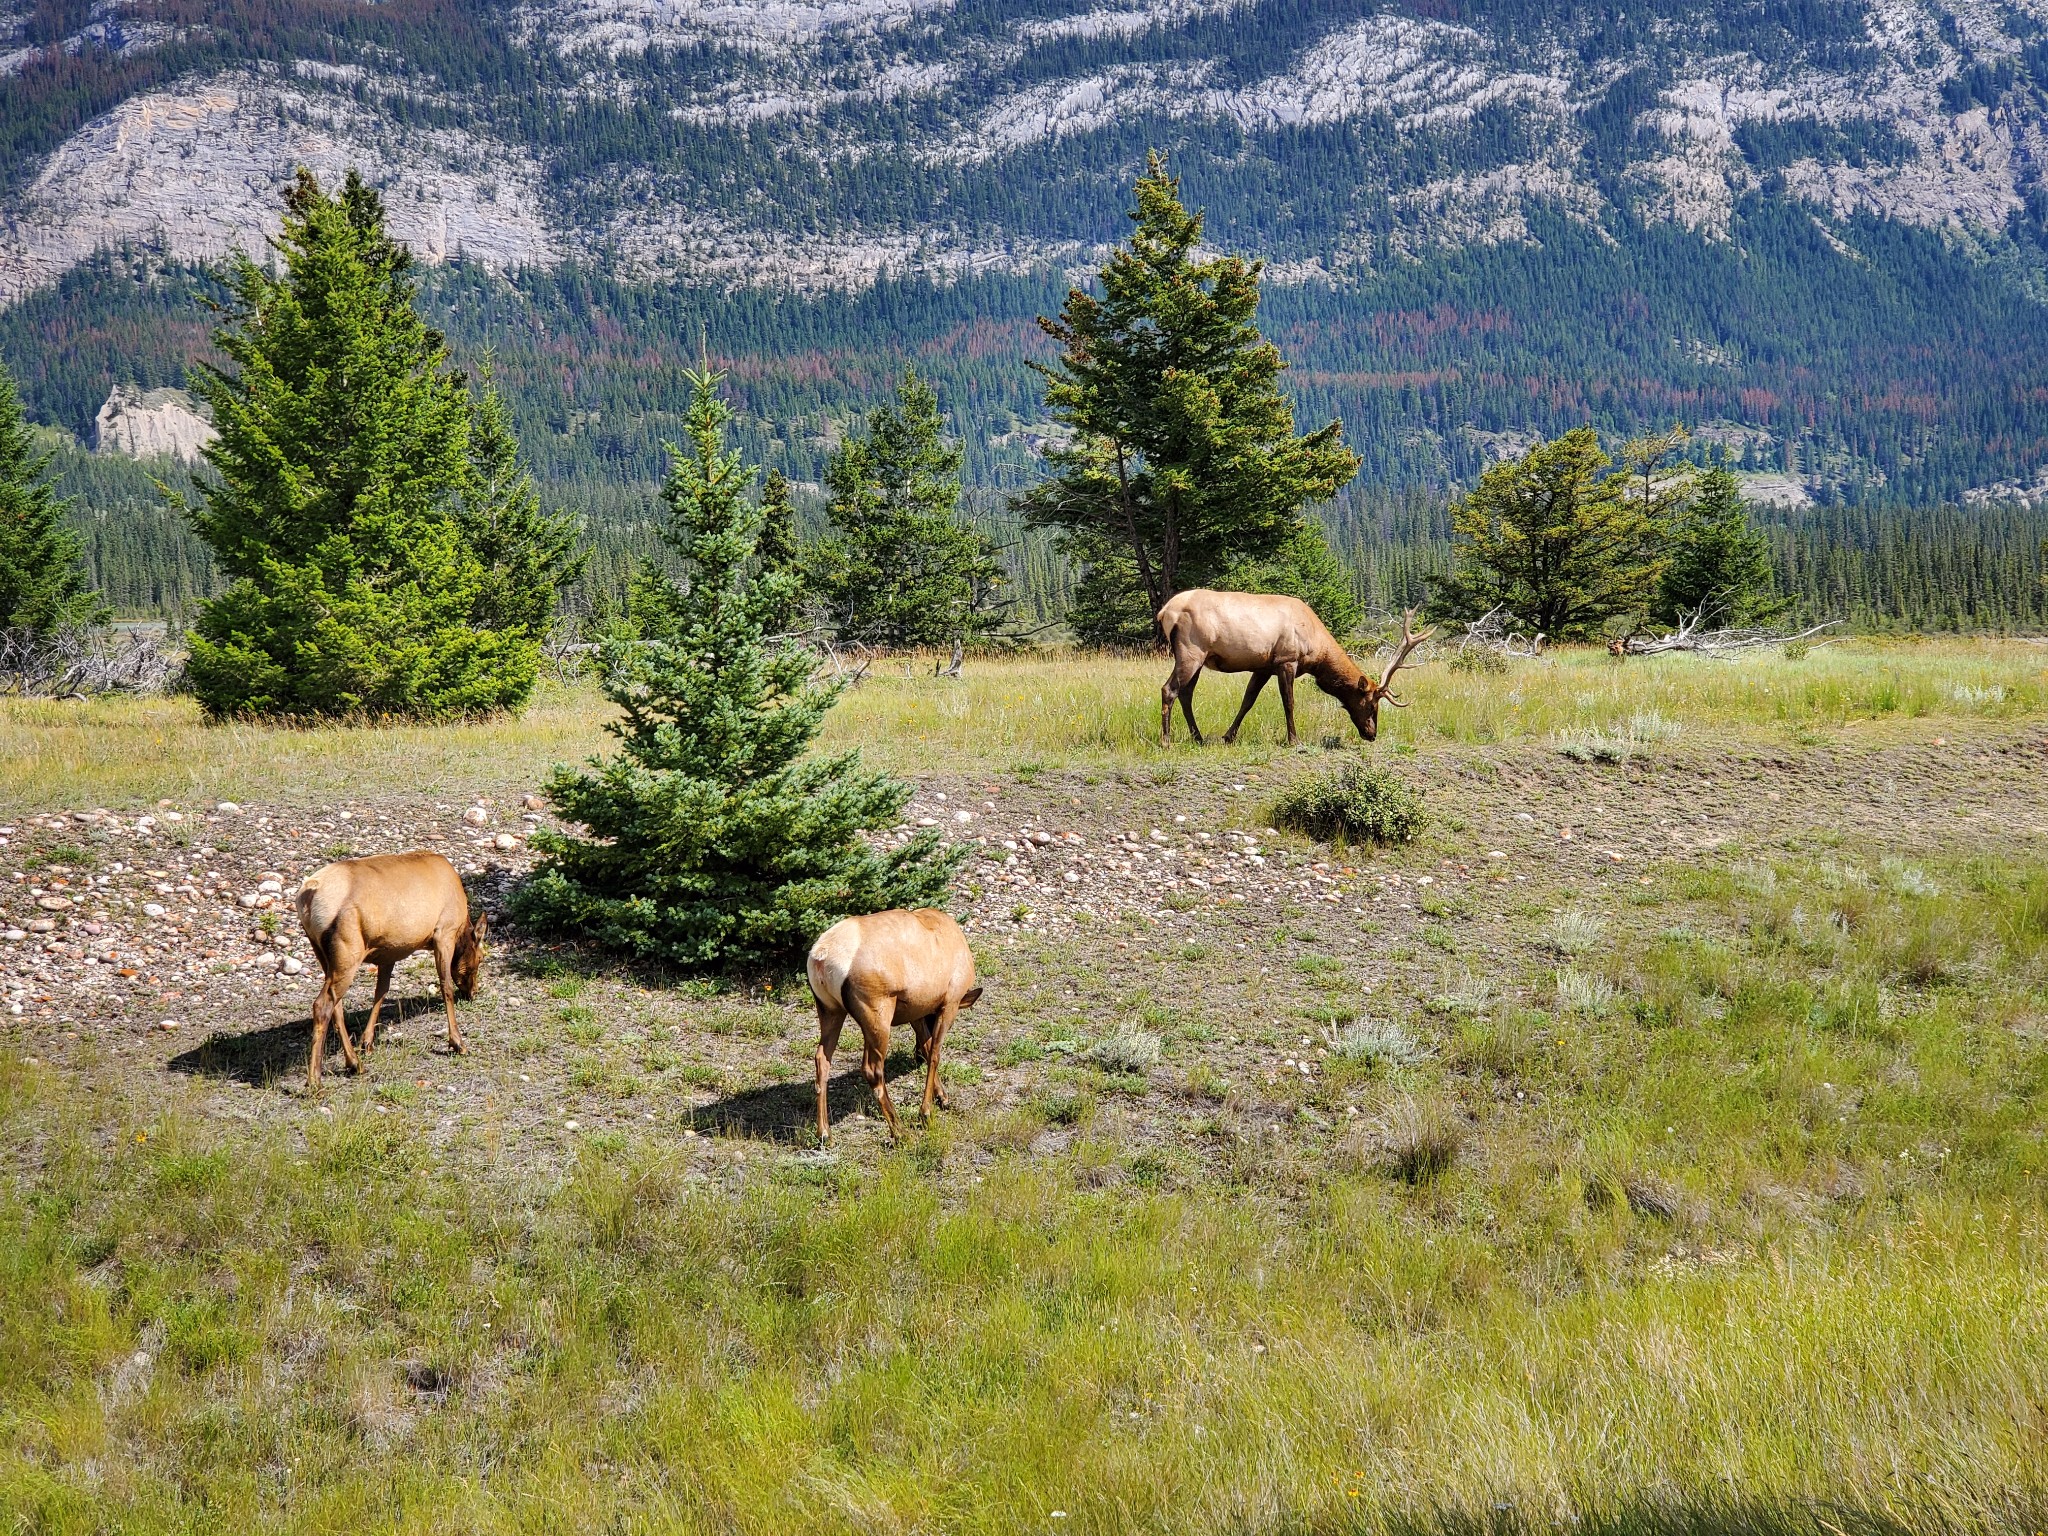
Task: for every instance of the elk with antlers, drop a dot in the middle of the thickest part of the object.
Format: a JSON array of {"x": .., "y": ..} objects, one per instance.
[{"x": 1270, "y": 637}]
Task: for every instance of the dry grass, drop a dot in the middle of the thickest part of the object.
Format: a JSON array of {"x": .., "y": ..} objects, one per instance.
[{"x": 1019, "y": 710}]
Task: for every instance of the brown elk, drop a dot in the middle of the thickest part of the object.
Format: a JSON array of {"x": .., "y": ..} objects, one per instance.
[
  {"x": 1270, "y": 637},
  {"x": 881, "y": 968},
  {"x": 382, "y": 909}
]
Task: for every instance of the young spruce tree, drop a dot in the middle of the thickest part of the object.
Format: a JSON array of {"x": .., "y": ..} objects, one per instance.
[
  {"x": 1183, "y": 461},
  {"x": 43, "y": 585},
  {"x": 715, "y": 840},
  {"x": 901, "y": 569},
  {"x": 1554, "y": 540},
  {"x": 1720, "y": 564},
  {"x": 374, "y": 571}
]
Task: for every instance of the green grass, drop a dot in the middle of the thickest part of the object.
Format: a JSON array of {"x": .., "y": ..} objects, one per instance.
[
  {"x": 1702, "y": 1194},
  {"x": 347, "y": 1330}
]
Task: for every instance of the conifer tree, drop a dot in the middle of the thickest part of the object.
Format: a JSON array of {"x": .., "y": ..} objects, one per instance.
[
  {"x": 779, "y": 551},
  {"x": 528, "y": 555},
  {"x": 43, "y": 584},
  {"x": 1554, "y": 540},
  {"x": 1719, "y": 564},
  {"x": 902, "y": 569},
  {"x": 343, "y": 467},
  {"x": 1183, "y": 458},
  {"x": 714, "y": 838}
]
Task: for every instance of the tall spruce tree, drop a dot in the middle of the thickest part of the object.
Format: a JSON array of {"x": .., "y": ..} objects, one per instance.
[
  {"x": 901, "y": 568},
  {"x": 43, "y": 585},
  {"x": 1719, "y": 563},
  {"x": 715, "y": 839},
  {"x": 344, "y": 472},
  {"x": 1554, "y": 540},
  {"x": 780, "y": 552},
  {"x": 1183, "y": 459},
  {"x": 528, "y": 555}
]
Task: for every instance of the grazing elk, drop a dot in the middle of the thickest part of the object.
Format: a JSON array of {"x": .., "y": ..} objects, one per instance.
[
  {"x": 884, "y": 967},
  {"x": 382, "y": 909},
  {"x": 1269, "y": 637}
]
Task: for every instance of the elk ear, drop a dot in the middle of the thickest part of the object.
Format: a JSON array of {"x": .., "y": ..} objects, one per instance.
[
  {"x": 971, "y": 998},
  {"x": 476, "y": 927}
]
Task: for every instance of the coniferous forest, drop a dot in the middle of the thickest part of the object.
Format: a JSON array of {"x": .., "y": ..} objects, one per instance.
[{"x": 592, "y": 374}]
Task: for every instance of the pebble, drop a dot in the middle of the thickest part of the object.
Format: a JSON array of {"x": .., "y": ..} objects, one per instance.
[
  {"x": 505, "y": 842},
  {"x": 54, "y": 903},
  {"x": 476, "y": 815},
  {"x": 154, "y": 909},
  {"x": 534, "y": 803},
  {"x": 228, "y": 808}
]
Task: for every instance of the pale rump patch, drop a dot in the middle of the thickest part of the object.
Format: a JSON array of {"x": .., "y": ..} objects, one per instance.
[{"x": 831, "y": 958}]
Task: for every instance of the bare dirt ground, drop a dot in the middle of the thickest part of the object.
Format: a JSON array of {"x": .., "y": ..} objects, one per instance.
[{"x": 158, "y": 947}]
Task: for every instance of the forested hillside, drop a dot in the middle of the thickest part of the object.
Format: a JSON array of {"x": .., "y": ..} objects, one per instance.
[{"x": 1811, "y": 232}]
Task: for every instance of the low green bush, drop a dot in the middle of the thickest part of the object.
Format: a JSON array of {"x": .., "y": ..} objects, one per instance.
[{"x": 1359, "y": 803}]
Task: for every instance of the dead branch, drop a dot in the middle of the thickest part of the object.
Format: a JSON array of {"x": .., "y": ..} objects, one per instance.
[
  {"x": 77, "y": 662},
  {"x": 1712, "y": 642}
]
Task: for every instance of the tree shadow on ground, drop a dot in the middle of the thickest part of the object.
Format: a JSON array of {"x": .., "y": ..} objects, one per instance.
[{"x": 789, "y": 1111}]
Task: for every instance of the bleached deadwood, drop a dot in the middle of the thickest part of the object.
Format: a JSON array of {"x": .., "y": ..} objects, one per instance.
[
  {"x": 1494, "y": 631},
  {"x": 77, "y": 662},
  {"x": 1713, "y": 642}
]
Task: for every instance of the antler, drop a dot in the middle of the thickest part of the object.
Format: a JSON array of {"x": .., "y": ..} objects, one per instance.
[{"x": 1409, "y": 640}]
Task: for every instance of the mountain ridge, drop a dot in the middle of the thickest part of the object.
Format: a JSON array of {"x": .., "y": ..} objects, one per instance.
[{"x": 1815, "y": 226}]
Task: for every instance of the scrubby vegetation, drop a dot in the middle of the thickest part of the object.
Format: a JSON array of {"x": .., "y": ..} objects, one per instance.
[{"x": 1358, "y": 803}]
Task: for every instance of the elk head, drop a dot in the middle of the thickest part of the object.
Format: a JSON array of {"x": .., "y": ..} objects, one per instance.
[
  {"x": 469, "y": 958},
  {"x": 1362, "y": 701}
]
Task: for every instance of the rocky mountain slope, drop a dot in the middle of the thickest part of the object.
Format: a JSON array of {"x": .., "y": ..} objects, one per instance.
[
  {"x": 813, "y": 142},
  {"x": 1851, "y": 164}
]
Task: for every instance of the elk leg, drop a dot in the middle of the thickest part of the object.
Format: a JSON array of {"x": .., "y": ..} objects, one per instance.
[
  {"x": 1187, "y": 704},
  {"x": 444, "y": 961},
  {"x": 830, "y": 1022},
  {"x": 376, "y": 1003},
  {"x": 874, "y": 1020},
  {"x": 933, "y": 1093},
  {"x": 1187, "y": 670},
  {"x": 328, "y": 1009},
  {"x": 1251, "y": 697},
  {"x": 1286, "y": 675},
  {"x": 921, "y": 1030}
]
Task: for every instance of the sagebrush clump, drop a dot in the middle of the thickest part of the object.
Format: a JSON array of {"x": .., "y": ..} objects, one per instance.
[{"x": 1359, "y": 803}]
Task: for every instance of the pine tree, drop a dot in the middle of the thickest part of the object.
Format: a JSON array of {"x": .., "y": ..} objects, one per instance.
[
  {"x": 1720, "y": 565},
  {"x": 1554, "y": 540},
  {"x": 528, "y": 555},
  {"x": 902, "y": 569},
  {"x": 715, "y": 840},
  {"x": 43, "y": 584},
  {"x": 343, "y": 465},
  {"x": 1183, "y": 459}
]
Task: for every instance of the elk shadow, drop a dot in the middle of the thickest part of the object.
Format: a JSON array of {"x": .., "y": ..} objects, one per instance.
[
  {"x": 789, "y": 1111},
  {"x": 262, "y": 1058},
  {"x": 256, "y": 1059}
]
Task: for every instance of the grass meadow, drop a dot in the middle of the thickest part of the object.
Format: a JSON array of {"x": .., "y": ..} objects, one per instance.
[
  {"x": 1023, "y": 709},
  {"x": 1706, "y": 1198}
]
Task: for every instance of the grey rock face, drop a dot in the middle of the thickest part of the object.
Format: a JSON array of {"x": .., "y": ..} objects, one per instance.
[{"x": 151, "y": 424}]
